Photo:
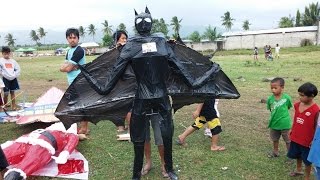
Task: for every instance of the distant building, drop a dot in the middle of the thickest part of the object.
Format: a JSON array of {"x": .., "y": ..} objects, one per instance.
[{"x": 285, "y": 37}]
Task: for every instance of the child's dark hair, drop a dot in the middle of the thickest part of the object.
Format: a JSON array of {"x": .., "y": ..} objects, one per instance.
[
  {"x": 116, "y": 36},
  {"x": 72, "y": 31},
  {"x": 5, "y": 49},
  {"x": 278, "y": 79},
  {"x": 308, "y": 89}
]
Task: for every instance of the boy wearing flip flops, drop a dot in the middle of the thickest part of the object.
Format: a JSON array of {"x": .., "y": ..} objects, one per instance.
[
  {"x": 280, "y": 123},
  {"x": 303, "y": 129},
  {"x": 205, "y": 113}
]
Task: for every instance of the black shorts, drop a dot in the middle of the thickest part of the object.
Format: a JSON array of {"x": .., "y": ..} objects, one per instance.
[
  {"x": 298, "y": 151},
  {"x": 12, "y": 85}
]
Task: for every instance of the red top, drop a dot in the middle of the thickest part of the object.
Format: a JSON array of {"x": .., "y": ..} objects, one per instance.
[{"x": 303, "y": 128}]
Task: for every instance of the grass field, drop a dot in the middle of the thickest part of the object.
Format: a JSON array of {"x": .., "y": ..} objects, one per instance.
[{"x": 244, "y": 121}]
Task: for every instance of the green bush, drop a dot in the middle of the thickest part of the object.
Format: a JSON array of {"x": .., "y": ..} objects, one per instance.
[{"x": 306, "y": 42}]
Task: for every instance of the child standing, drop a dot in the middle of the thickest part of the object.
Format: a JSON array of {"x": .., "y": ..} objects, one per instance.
[
  {"x": 314, "y": 155},
  {"x": 10, "y": 70},
  {"x": 205, "y": 113},
  {"x": 303, "y": 129},
  {"x": 277, "y": 51},
  {"x": 280, "y": 124},
  {"x": 255, "y": 53}
]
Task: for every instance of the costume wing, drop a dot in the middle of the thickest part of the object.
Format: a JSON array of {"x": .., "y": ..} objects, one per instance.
[
  {"x": 218, "y": 86},
  {"x": 80, "y": 102}
]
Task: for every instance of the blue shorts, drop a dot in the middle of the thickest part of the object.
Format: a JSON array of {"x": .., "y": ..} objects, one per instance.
[
  {"x": 297, "y": 151},
  {"x": 12, "y": 85}
]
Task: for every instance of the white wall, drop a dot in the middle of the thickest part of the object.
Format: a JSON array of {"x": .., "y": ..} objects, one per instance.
[{"x": 249, "y": 41}]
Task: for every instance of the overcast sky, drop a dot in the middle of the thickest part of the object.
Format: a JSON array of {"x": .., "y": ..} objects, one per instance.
[{"x": 61, "y": 14}]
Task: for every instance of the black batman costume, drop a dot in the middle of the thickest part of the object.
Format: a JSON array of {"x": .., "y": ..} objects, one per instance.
[
  {"x": 150, "y": 57},
  {"x": 160, "y": 69}
]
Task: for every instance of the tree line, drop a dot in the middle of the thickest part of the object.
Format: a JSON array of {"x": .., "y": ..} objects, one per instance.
[{"x": 308, "y": 18}]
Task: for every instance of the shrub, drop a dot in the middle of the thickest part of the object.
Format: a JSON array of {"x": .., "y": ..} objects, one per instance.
[{"x": 305, "y": 42}]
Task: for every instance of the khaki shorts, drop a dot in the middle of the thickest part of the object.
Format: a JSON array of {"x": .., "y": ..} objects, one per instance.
[
  {"x": 275, "y": 135},
  {"x": 154, "y": 121}
]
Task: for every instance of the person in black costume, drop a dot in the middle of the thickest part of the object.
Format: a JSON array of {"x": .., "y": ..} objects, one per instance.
[{"x": 150, "y": 57}]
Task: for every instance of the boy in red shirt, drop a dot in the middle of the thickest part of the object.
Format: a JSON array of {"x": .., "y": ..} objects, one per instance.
[{"x": 303, "y": 129}]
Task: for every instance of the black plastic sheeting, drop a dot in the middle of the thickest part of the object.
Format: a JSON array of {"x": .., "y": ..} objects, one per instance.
[{"x": 91, "y": 106}]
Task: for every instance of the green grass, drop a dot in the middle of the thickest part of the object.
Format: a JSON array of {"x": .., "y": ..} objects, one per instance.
[{"x": 244, "y": 121}]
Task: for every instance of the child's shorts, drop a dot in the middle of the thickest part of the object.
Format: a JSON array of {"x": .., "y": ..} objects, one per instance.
[
  {"x": 298, "y": 151},
  {"x": 275, "y": 135},
  {"x": 154, "y": 120},
  {"x": 12, "y": 85},
  {"x": 214, "y": 125}
]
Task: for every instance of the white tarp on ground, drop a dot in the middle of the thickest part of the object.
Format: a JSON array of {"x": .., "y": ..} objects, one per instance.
[
  {"x": 89, "y": 44},
  {"x": 42, "y": 110}
]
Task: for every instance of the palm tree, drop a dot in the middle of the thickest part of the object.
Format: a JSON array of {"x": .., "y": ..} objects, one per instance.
[
  {"x": 122, "y": 27},
  {"x": 246, "y": 25},
  {"x": 92, "y": 30},
  {"x": 227, "y": 20},
  {"x": 106, "y": 28},
  {"x": 34, "y": 37},
  {"x": 211, "y": 34},
  {"x": 42, "y": 34},
  {"x": 310, "y": 14},
  {"x": 10, "y": 40},
  {"x": 176, "y": 25},
  {"x": 82, "y": 31}
]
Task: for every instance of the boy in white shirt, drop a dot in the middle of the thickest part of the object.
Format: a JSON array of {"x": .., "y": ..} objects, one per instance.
[{"x": 10, "y": 70}]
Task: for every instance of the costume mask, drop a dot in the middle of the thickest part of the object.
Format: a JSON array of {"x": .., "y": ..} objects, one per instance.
[{"x": 143, "y": 22}]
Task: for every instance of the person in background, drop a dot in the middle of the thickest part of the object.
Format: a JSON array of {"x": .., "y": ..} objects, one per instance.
[
  {"x": 207, "y": 130},
  {"x": 255, "y": 53},
  {"x": 74, "y": 55},
  {"x": 205, "y": 114},
  {"x": 277, "y": 51},
  {"x": 10, "y": 71},
  {"x": 119, "y": 39}
]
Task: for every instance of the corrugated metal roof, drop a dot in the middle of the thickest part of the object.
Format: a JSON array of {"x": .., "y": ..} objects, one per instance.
[{"x": 272, "y": 31}]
